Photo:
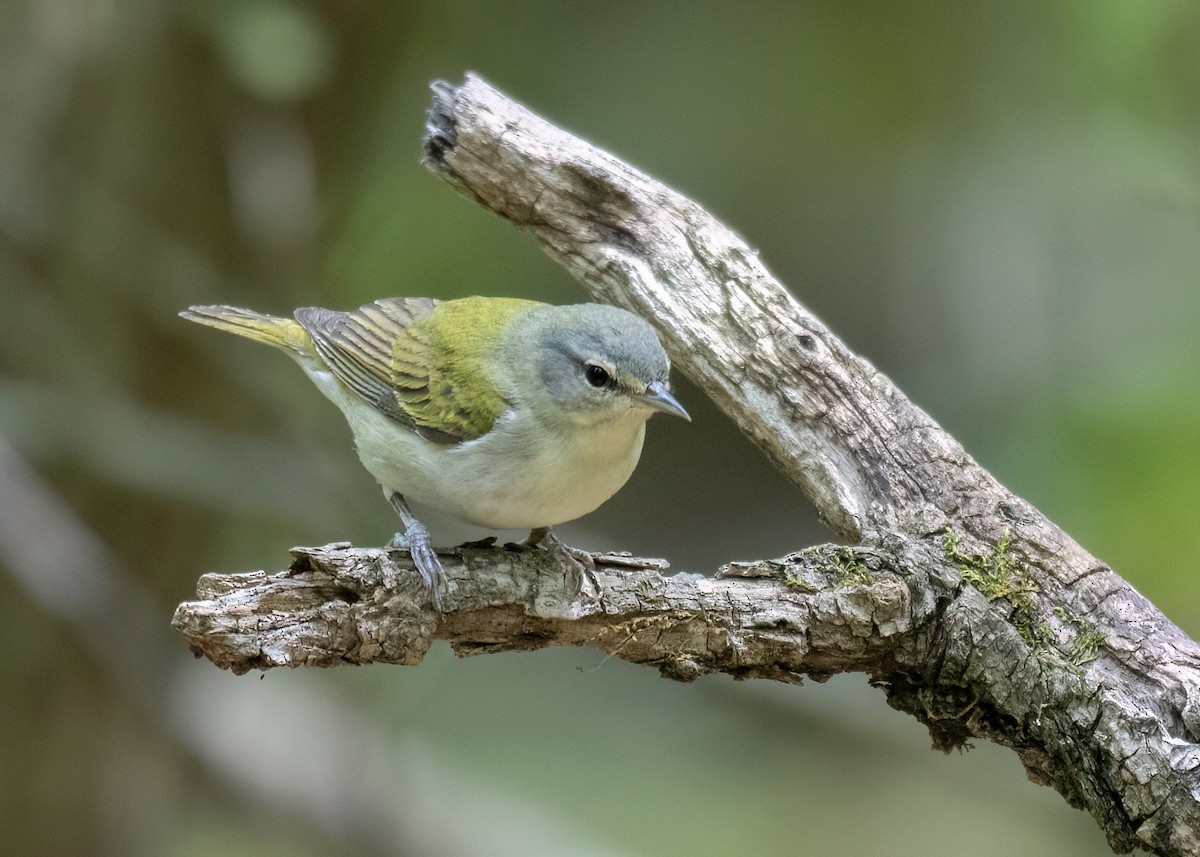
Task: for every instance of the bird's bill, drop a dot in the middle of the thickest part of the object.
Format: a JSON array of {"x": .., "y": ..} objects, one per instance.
[{"x": 658, "y": 397}]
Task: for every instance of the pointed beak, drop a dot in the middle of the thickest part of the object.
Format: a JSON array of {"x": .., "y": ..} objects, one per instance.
[{"x": 658, "y": 397}]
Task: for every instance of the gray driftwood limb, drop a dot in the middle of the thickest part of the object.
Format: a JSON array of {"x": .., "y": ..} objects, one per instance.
[{"x": 967, "y": 606}]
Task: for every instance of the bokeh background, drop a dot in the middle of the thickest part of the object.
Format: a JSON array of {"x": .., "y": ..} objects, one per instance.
[{"x": 997, "y": 203}]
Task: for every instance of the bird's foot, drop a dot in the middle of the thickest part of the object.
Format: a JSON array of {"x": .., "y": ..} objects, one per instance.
[
  {"x": 425, "y": 558},
  {"x": 415, "y": 539},
  {"x": 581, "y": 563}
]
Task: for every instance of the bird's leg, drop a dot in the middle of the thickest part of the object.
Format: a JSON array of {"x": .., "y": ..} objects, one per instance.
[
  {"x": 580, "y": 561},
  {"x": 415, "y": 539}
]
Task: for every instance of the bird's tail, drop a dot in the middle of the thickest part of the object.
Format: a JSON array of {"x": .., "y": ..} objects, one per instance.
[{"x": 283, "y": 333}]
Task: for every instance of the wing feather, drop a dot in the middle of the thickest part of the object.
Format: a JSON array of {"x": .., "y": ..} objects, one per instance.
[
  {"x": 357, "y": 346},
  {"x": 389, "y": 354}
]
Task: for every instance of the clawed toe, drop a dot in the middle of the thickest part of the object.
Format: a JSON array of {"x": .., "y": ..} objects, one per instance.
[
  {"x": 425, "y": 558},
  {"x": 415, "y": 539}
]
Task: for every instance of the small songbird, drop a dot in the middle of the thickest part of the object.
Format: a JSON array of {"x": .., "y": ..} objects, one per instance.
[{"x": 504, "y": 413}]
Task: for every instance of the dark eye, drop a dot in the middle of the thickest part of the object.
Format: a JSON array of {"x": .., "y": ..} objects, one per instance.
[{"x": 596, "y": 375}]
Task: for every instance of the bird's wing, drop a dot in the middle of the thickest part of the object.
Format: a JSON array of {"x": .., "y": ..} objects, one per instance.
[{"x": 387, "y": 353}]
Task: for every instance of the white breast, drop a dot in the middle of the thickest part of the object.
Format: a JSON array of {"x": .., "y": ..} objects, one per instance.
[{"x": 516, "y": 476}]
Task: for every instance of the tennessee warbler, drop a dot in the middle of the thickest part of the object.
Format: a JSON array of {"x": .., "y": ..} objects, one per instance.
[{"x": 504, "y": 413}]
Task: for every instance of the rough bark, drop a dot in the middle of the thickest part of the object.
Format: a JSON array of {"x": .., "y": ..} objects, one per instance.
[{"x": 968, "y": 607}]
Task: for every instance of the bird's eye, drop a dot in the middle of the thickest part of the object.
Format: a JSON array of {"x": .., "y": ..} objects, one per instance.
[{"x": 596, "y": 375}]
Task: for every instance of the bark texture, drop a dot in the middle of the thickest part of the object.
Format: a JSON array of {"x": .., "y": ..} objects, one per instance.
[{"x": 969, "y": 608}]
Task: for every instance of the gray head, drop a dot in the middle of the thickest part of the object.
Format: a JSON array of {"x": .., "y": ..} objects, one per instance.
[{"x": 597, "y": 362}]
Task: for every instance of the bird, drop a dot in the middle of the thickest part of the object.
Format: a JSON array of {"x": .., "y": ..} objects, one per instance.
[{"x": 502, "y": 412}]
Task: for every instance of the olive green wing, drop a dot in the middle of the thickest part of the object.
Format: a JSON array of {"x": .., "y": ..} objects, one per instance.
[{"x": 389, "y": 353}]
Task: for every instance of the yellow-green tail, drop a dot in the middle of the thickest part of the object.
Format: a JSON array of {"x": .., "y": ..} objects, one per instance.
[{"x": 282, "y": 333}]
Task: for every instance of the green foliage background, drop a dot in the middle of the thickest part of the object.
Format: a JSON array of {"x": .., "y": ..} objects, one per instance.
[{"x": 998, "y": 204}]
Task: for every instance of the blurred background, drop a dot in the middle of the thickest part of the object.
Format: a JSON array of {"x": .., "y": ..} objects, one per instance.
[{"x": 998, "y": 204}]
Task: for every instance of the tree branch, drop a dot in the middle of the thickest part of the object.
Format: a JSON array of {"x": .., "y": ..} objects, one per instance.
[{"x": 1047, "y": 650}]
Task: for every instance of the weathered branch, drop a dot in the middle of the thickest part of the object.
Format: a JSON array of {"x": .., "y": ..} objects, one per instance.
[
  {"x": 1047, "y": 651},
  {"x": 830, "y": 609}
]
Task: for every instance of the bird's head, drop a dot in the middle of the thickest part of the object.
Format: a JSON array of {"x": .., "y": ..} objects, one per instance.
[{"x": 588, "y": 364}]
